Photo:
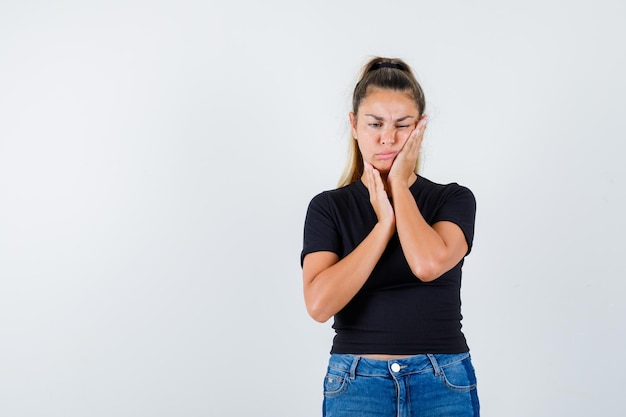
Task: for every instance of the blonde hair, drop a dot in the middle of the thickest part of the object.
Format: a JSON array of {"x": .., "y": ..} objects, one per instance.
[{"x": 386, "y": 73}]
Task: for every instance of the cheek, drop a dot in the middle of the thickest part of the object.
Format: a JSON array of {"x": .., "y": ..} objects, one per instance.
[
  {"x": 403, "y": 137},
  {"x": 359, "y": 145},
  {"x": 364, "y": 139},
  {"x": 362, "y": 131},
  {"x": 365, "y": 148}
]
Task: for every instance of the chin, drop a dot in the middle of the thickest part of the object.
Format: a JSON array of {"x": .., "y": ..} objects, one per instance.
[{"x": 382, "y": 168}]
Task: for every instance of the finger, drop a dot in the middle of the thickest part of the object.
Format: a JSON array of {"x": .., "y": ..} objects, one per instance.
[
  {"x": 421, "y": 127},
  {"x": 414, "y": 142},
  {"x": 377, "y": 180},
  {"x": 422, "y": 123},
  {"x": 417, "y": 136},
  {"x": 373, "y": 178},
  {"x": 378, "y": 187}
]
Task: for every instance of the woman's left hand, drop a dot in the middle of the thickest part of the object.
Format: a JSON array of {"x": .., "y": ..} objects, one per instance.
[{"x": 404, "y": 165}]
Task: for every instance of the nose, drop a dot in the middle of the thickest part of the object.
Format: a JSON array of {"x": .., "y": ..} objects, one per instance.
[{"x": 388, "y": 137}]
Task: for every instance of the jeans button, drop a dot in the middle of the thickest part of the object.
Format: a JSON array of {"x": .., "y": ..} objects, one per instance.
[{"x": 395, "y": 367}]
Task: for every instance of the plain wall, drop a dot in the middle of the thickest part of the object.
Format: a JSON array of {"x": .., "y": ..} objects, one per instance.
[{"x": 157, "y": 159}]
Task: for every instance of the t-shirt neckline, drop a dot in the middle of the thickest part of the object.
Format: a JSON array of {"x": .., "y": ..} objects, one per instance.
[{"x": 363, "y": 189}]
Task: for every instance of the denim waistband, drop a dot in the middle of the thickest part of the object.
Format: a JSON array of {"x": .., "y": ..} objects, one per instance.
[{"x": 358, "y": 365}]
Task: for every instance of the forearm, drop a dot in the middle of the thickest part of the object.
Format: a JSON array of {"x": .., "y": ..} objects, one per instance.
[
  {"x": 332, "y": 288},
  {"x": 424, "y": 249}
]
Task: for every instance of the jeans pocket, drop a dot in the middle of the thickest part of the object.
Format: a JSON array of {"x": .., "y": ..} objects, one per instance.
[
  {"x": 335, "y": 383},
  {"x": 459, "y": 376}
]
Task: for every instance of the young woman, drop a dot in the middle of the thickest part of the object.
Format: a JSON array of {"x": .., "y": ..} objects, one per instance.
[{"x": 383, "y": 255}]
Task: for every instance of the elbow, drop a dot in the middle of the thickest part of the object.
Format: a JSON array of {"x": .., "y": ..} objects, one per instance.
[
  {"x": 317, "y": 311},
  {"x": 426, "y": 276},
  {"x": 319, "y": 315},
  {"x": 426, "y": 271},
  {"x": 317, "y": 304}
]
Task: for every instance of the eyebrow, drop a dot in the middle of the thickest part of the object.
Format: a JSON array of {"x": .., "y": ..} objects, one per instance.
[{"x": 382, "y": 119}]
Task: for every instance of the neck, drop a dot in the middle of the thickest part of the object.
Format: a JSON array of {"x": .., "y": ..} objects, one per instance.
[{"x": 384, "y": 177}]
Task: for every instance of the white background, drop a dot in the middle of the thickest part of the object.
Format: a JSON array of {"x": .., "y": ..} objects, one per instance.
[{"x": 157, "y": 159}]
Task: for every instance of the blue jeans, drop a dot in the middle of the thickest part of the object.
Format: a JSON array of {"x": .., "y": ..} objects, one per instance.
[{"x": 421, "y": 385}]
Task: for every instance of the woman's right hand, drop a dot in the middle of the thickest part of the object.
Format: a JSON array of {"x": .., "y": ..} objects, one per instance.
[
  {"x": 329, "y": 282},
  {"x": 378, "y": 196}
]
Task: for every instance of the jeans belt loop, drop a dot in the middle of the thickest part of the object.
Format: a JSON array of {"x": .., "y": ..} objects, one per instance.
[
  {"x": 355, "y": 362},
  {"x": 434, "y": 363}
]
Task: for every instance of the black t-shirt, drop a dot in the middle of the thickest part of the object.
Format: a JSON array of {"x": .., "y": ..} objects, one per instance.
[{"x": 394, "y": 312}]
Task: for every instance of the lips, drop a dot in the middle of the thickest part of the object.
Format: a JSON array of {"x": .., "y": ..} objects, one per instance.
[{"x": 386, "y": 155}]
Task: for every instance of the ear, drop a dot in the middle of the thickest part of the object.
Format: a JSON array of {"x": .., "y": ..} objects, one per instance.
[{"x": 353, "y": 124}]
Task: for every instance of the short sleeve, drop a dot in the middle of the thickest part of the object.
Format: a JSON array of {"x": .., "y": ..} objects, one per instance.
[
  {"x": 320, "y": 228},
  {"x": 459, "y": 207}
]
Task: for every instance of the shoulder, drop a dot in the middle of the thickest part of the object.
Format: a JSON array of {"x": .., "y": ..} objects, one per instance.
[
  {"x": 448, "y": 202},
  {"x": 339, "y": 196},
  {"x": 430, "y": 189}
]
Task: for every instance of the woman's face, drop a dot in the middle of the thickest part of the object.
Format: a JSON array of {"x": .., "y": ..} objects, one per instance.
[{"x": 384, "y": 122}]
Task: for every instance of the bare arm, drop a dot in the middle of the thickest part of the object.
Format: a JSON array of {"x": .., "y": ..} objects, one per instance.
[
  {"x": 330, "y": 283},
  {"x": 429, "y": 251}
]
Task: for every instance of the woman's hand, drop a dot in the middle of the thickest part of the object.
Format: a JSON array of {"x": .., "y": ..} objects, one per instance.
[
  {"x": 329, "y": 282},
  {"x": 403, "y": 167},
  {"x": 378, "y": 196}
]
